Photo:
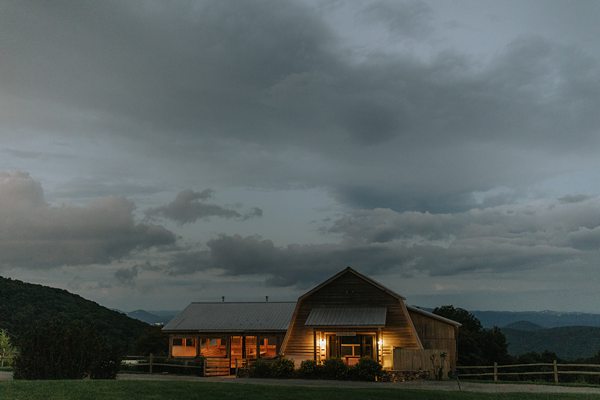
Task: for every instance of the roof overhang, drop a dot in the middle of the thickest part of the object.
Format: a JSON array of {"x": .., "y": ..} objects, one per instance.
[{"x": 347, "y": 317}]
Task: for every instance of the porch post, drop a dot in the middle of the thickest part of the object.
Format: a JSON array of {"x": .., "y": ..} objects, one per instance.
[
  {"x": 244, "y": 348},
  {"x": 228, "y": 346},
  {"x": 315, "y": 344},
  {"x": 257, "y": 346}
]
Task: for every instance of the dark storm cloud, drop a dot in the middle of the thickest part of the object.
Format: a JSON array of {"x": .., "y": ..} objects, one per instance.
[
  {"x": 34, "y": 234},
  {"x": 534, "y": 223},
  {"x": 494, "y": 240},
  {"x": 190, "y": 206},
  {"x": 405, "y": 18},
  {"x": 293, "y": 265},
  {"x": 91, "y": 188},
  {"x": 126, "y": 276},
  {"x": 271, "y": 76}
]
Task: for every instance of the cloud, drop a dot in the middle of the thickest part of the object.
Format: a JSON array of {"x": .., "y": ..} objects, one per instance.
[
  {"x": 293, "y": 265},
  {"x": 190, "y": 206},
  {"x": 535, "y": 235},
  {"x": 263, "y": 96},
  {"x": 35, "y": 234},
  {"x": 126, "y": 276},
  {"x": 410, "y": 19}
]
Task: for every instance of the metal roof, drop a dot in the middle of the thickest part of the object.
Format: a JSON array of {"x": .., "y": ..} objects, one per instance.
[
  {"x": 233, "y": 317},
  {"x": 432, "y": 315},
  {"x": 347, "y": 316}
]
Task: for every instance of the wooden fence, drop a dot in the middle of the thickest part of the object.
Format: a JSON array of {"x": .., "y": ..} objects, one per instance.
[
  {"x": 553, "y": 370},
  {"x": 202, "y": 367}
]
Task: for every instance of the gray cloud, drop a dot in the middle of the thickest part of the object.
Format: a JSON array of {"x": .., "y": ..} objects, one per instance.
[
  {"x": 126, "y": 276},
  {"x": 190, "y": 206},
  {"x": 502, "y": 239},
  {"x": 406, "y": 18},
  {"x": 237, "y": 84},
  {"x": 34, "y": 234},
  {"x": 293, "y": 265}
]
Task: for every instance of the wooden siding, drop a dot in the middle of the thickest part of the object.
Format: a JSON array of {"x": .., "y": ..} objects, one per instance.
[
  {"x": 424, "y": 360},
  {"x": 350, "y": 290},
  {"x": 436, "y": 334}
]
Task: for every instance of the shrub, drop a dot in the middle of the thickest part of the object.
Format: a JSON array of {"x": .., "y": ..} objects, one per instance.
[
  {"x": 65, "y": 349},
  {"x": 367, "y": 369},
  {"x": 260, "y": 369},
  {"x": 6, "y": 349},
  {"x": 282, "y": 368},
  {"x": 334, "y": 368},
  {"x": 309, "y": 369}
]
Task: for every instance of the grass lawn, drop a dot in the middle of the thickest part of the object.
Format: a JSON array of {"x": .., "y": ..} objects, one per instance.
[{"x": 141, "y": 390}]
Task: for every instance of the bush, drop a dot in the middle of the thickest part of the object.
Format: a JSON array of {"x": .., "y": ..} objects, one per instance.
[
  {"x": 282, "y": 368},
  {"x": 367, "y": 369},
  {"x": 334, "y": 368},
  {"x": 260, "y": 369},
  {"x": 309, "y": 369},
  {"x": 65, "y": 349}
]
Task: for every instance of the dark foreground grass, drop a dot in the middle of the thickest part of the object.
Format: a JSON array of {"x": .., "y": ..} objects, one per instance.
[{"x": 165, "y": 390}]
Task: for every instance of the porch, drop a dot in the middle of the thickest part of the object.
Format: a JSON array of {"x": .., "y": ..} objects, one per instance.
[{"x": 232, "y": 350}]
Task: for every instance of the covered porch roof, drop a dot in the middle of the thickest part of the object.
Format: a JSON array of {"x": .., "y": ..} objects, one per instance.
[{"x": 347, "y": 316}]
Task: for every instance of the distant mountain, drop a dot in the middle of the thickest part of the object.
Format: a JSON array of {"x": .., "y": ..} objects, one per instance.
[
  {"x": 569, "y": 342},
  {"x": 24, "y": 304},
  {"x": 545, "y": 319},
  {"x": 523, "y": 326},
  {"x": 152, "y": 317}
]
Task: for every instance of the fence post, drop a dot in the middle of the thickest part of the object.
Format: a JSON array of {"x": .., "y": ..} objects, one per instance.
[
  {"x": 150, "y": 360},
  {"x": 555, "y": 372},
  {"x": 495, "y": 372}
]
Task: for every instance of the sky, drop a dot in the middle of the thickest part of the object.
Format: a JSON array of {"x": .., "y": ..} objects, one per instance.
[{"x": 156, "y": 153}]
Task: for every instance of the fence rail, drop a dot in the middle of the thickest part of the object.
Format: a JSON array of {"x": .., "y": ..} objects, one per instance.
[
  {"x": 203, "y": 367},
  {"x": 149, "y": 363},
  {"x": 496, "y": 371}
]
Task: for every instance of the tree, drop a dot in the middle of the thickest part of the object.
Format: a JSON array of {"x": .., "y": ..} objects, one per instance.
[
  {"x": 152, "y": 340},
  {"x": 476, "y": 345},
  {"x": 65, "y": 349},
  {"x": 6, "y": 348}
]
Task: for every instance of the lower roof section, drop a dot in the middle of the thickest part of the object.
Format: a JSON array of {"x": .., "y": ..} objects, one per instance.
[
  {"x": 347, "y": 316},
  {"x": 232, "y": 317}
]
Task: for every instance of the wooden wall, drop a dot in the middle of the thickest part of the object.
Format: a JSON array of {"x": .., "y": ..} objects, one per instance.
[
  {"x": 415, "y": 360},
  {"x": 436, "y": 334},
  {"x": 350, "y": 290}
]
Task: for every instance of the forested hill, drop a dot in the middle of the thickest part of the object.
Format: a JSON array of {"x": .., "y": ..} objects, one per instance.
[
  {"x": 568, "y": 342},
  {"x": 23, "y": 305},
  {"x": 545, "y": 319}
]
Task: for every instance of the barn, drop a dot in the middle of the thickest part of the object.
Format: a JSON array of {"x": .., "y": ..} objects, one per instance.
[{"x": 348, "y": 316}]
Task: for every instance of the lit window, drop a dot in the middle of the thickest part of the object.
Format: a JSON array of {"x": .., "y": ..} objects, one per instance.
[{"x": 183, "y": 347}]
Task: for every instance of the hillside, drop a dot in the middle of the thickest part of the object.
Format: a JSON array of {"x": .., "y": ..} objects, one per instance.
[
  {"x": 570, "y": 342},
  {"x": 545, "y": 319},
  {"x": 150, "y": 317},
  {"x": 23, "y": 304},
  {"x": 523, "y": 326}
]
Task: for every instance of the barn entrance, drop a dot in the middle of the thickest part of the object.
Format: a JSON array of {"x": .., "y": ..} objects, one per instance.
[{"x": 350, "y": 346}]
